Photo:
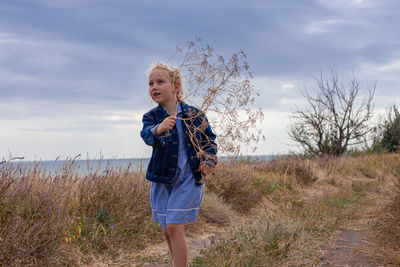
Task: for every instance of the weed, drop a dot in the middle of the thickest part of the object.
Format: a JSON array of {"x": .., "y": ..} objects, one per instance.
[{"x": 262, "y": 243}]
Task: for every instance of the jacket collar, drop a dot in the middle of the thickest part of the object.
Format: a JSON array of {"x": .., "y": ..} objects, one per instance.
[
  {"x": 186, "y": 110},
  {"x": 161, "y": 112}
]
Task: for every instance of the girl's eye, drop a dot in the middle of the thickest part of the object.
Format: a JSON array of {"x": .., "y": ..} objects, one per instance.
[
  {"x": 160, "y": 81},
  {"x": 150, "y": 83}
]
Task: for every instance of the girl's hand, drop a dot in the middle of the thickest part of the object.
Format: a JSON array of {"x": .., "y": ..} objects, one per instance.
[
  {"x": 167, "y": 124},
  {"x": 205, "y": 168}
]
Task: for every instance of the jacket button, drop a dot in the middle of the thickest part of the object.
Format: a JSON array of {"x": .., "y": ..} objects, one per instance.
[
  {"x": 191, "y": 158},
  {"x": 188, "y": 145}
]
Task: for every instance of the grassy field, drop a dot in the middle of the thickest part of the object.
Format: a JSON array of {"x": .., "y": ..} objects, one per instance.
[{"x": 276, "y": 212}]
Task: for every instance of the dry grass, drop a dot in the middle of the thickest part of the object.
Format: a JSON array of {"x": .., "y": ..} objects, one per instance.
[
  {"x": 289, "y": 205},
  {"x": 309, "y": 200},
  {"x": 258, "y": 243},
  {"x": 47, "y": 218},
  {"x": 243, "y": 185},
  {"x": 215, "y": 210},
  {"x": 388, "y": 227},
  {"x": 235, "y": 185}
]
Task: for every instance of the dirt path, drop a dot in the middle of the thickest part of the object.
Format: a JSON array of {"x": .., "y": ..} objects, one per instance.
[
  {"x": 355, "y": 245},
  {"x": 352, "y": 247}
]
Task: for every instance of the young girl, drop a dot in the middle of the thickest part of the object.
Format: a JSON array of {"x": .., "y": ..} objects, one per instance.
[{"x": 184, "y": 150}]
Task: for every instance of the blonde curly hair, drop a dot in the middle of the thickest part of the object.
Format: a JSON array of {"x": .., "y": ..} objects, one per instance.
[{"x": 174, "y": 74}]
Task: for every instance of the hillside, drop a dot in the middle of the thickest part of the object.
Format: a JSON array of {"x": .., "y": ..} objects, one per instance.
[{"x": 283, "y": 212}]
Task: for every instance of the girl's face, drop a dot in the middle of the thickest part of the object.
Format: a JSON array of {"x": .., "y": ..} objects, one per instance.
[{"x": 160, "y": 88}]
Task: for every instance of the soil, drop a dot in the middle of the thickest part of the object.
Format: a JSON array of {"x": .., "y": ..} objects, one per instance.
[{"x": 355, "y": 246}]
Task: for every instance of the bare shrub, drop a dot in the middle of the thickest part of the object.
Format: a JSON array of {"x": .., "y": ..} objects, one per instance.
[
  {"x": 221, "y": 88},
  {"x": 334, "y": 118}
]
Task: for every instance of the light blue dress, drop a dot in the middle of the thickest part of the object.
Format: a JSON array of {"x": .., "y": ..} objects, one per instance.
[{"x": 180, "y": 202}]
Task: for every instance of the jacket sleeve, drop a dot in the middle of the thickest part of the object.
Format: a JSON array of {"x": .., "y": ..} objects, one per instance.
[
  {"x": 148, "y": 132},
  {"x": 209, "y": 145}
]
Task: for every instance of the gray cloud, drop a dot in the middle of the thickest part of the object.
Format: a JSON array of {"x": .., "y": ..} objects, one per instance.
[{"x": 66, "y": 59}]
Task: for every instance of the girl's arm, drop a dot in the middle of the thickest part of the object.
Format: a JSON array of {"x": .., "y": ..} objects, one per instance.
[
  {"x": 149, "y": 131},
  {"x": 167, "y": 124}
]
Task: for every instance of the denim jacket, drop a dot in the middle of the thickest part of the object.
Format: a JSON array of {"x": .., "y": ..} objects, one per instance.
[{"x": 164, "y": 159}]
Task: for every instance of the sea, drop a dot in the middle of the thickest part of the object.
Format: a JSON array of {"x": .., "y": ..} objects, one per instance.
[{"x": 87, "y": 166}]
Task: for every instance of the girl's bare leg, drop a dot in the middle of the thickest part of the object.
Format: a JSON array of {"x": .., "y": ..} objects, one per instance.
[
  {"x": 176, "y": 233},
  {"x": 168, "y": 241}
]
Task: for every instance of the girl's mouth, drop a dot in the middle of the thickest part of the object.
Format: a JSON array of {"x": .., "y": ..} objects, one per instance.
[{"x": 156, "y": 94}]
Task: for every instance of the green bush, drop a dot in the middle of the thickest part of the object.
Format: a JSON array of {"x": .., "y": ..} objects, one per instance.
[{"x": 388, "y": 132}]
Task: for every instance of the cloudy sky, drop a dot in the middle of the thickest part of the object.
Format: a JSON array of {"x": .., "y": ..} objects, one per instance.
[{"x": 73, "y": 72}]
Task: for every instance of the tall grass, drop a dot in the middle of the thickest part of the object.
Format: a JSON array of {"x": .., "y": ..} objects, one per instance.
[
  {"x": 308, "y": 200},
  {"x": 69, "y": 219},
  {"x": 244, "y": 184},
  {"x": 259, "y": 243},
  {"x": 44, "y": 215},
  {"x": 388, "y": 227}
]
